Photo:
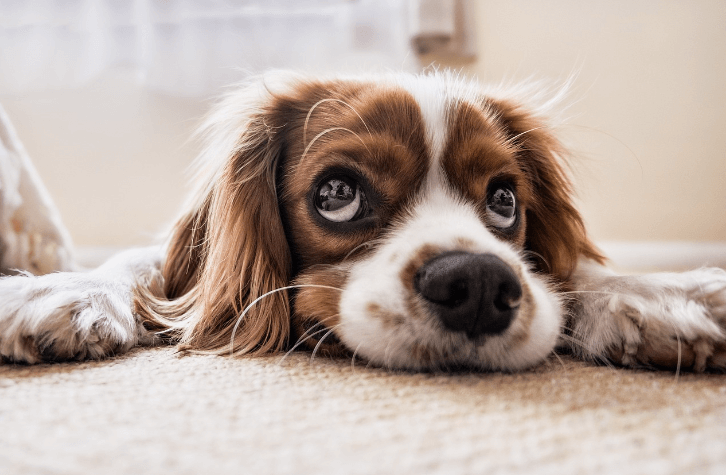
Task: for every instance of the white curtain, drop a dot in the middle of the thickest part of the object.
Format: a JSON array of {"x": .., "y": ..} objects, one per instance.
[{"x": 191, "y": 47}]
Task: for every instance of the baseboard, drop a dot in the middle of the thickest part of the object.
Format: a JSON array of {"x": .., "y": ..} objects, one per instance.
[
  {"x": 664, "y": 256},
  {"x": 94, "y": 256},
  {"x": 625, "y": 255}
]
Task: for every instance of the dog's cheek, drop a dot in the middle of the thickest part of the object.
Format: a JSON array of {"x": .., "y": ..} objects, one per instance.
[{"x": 316, "y": 314}]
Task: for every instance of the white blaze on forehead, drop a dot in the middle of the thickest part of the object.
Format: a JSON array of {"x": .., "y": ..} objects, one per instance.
[
  {"x": 433, "y": 99},
  {"x": 437, "y": 95}
]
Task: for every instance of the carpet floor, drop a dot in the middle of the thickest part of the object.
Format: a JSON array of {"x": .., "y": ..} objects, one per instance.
[{"x": 153, "y": 411}]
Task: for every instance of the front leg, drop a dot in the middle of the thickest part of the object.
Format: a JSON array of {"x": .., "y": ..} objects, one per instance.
[
  {"x": 75, "y": 315},
  {"x": 665, "y": 320}
]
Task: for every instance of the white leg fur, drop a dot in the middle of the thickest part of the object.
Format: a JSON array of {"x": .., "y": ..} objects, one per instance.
[
  {"x": 74, "y": 315},
  {"x": 666, "y": 320}
]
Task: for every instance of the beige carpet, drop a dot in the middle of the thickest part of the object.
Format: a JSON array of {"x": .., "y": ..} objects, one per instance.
[{"x": 154, "y": 412}]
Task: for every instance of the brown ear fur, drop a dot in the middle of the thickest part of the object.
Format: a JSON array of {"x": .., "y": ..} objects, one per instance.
[
  {"x": 229, "y": 250},
  {"x": 555, "y": 231}
]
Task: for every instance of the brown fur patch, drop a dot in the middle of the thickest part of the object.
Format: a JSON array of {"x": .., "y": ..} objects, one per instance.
[
  {"x": 316, "y": 308},
  {"x": 388, "y": 319},
  {"x": 418, "y": 259},
  {"x": 389, "y": 155},
  {"x": 476, "y": 155}
]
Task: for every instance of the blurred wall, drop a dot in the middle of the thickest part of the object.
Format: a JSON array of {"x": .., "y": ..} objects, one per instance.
[
  {"x": 647, "y": 122},
  {"x": 648, "y": 108},
  {"x": 113, "y": 156}
]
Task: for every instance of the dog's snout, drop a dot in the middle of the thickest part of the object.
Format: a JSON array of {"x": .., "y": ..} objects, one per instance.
[{"x": 473, "y": 293}]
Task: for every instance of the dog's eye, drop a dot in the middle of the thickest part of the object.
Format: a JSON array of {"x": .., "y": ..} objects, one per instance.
[
  {"x": 340, "y": 199},
  {"x": 502, "y": 208}
]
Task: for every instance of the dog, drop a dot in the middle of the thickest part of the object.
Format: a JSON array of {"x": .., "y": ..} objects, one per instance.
[{"x": 418, "y": 222}]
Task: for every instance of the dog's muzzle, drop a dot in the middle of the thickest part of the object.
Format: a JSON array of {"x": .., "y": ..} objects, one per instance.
[{"x": 477, "y": 294}]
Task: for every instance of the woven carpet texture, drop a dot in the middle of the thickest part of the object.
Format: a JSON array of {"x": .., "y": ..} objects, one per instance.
[{"x": 153, "y": 411}]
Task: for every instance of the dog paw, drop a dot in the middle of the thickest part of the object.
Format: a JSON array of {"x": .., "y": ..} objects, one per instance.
[
  {"x": 660, "y": 320},
  {"x": 66, "y": 316}
]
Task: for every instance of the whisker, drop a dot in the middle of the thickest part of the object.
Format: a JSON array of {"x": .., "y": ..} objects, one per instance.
[
  {"x": 267, "y": 294},
  {"x": 574, "y": 336},
  {"x": 320, "y": 342},
  {"x": 605, "y": 362},
  {"x": 562, "y": 363},
  {"x": 331, "y": 129},
  {"x": 574, "y": 340},
  {"x": 361, "y": 245},
  {"x": 511, "y": 140},
  {"x": 330, "y": 99},
  {"x": 306, "y": 336},
  {"x": 680, "y": 355},
  {"x": 589, "y": 292},
  {"x": 368, "y": 364},
  {"x": 537, "y": 254},
  {"x": 680, "y": 351},
  {"x": 386, "y": 355},
  {"x": 168, "y": 330},
  {"x": 582, "y": 345},
  {"x": 352, "y": 359},
  {"x": 621, "y": 142}
]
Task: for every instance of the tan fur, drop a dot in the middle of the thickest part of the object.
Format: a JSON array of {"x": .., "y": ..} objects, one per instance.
[{"x": 227, "y": 253}]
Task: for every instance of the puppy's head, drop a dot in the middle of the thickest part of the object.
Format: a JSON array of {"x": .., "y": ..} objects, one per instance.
[{"x": 424, "y": 223}]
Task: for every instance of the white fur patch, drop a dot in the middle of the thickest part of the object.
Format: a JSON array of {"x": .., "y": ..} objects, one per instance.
[
  {"x": 74, "y": 315},
  {"x": 378, "y": 324}
]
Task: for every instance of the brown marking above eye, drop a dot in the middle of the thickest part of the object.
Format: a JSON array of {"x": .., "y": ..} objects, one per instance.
[{"x": 477, "y": 161}]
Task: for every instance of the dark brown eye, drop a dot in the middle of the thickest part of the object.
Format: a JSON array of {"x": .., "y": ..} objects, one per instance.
[
  {"x": 340, "y": 199},
  {"x": 502, "y": 208}
]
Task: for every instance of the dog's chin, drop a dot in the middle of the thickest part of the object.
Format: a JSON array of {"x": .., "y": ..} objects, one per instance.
[{"x": 390, "y": 335}]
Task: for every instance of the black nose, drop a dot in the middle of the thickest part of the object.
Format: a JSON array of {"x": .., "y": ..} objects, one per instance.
[{"x": 473, "y": 293}]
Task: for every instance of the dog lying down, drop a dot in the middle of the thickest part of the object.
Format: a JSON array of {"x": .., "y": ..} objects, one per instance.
[{"x": 415, "y": 222}]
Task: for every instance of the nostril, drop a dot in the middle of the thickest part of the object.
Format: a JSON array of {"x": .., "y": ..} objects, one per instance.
[{"x": 509, "y": 296}]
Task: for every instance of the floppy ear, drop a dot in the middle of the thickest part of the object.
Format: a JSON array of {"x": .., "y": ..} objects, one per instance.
[
  {"x": 555, "y": 231},
  {"x": 229, "y": 249}
]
